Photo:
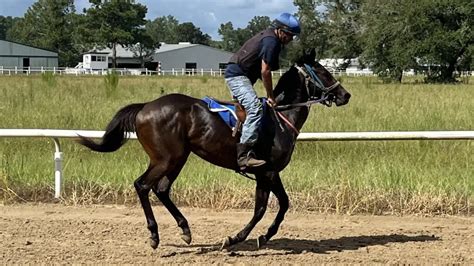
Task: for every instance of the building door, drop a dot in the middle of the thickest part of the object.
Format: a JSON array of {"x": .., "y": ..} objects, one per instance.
[
  {"x": 191, "y": 68},
  {"x": 26, "y": 64},
  {"x": 223, "y": 66}
]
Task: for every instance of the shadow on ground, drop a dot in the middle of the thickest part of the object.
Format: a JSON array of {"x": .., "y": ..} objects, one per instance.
[{"x": 298, "y": 246}]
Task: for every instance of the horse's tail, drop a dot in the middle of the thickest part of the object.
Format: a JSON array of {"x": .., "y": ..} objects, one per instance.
[{"x": 117, "y": 131}]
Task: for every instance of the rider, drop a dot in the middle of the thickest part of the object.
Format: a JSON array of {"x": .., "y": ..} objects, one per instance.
[{"x": 255, "y": 60}]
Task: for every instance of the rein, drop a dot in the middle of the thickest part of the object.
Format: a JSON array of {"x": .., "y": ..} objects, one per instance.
[
  {"x": 303, "y": 104},
  {"x": 289, "y": 106}
]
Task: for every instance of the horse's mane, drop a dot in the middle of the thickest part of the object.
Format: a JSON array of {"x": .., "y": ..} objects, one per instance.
[{"x": 285, "y": 88}]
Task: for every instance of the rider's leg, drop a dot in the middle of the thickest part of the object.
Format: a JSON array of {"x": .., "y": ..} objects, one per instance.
[{"x": 242, "y": 89}]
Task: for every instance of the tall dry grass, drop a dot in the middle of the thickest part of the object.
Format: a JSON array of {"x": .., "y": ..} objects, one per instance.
[{"x": 344, "y": 177}]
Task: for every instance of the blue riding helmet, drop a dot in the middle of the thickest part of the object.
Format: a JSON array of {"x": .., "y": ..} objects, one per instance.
[{"x": 287, "y": 23}]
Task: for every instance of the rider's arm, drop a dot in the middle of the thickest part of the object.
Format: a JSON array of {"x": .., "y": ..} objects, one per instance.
[{"x": 267, "y": 81}]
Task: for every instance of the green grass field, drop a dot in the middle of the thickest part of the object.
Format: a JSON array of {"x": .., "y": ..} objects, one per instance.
[{"x": 426, "y": 177}]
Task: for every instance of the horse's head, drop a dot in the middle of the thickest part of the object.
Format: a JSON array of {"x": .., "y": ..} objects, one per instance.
[
  {"x": 314, "y": 84},
  {"x": 319, "y": 82}
]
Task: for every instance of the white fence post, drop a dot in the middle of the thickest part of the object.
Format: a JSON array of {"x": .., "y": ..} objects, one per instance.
[{"x": 58, "y": 172}]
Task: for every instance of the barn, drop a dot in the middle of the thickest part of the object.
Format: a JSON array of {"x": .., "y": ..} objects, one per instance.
[
  {"x": 191, "y": 56},
  {"x": 14, "y": 54},
  {"x": 183, "y": 55}
]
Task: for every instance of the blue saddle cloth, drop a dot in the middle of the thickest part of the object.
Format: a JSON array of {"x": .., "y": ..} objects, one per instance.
[{"x": 226, "y": 111}]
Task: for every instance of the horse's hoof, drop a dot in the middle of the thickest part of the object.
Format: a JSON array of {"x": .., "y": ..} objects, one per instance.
[
  {"x": 187, "y": 238},
  {"x": 154, "y": 243},
  {"x": 226, "y": 243},
  {"x": 261, "y": 241}
]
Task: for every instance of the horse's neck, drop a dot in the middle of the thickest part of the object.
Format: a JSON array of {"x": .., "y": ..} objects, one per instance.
[{"x": 298, "y": 115}]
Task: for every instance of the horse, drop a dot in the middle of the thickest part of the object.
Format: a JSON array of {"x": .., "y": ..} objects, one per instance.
[{"x": 174, "y": 125}]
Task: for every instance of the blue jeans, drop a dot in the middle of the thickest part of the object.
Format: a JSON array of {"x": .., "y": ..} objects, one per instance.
[{"x": 242, "y": 89}]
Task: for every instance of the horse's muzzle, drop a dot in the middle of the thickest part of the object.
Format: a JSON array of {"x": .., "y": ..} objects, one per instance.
[{"x": 342, "y": 99}]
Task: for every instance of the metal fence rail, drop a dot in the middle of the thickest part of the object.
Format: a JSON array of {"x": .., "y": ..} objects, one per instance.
[{"x": 56, "y": 134}]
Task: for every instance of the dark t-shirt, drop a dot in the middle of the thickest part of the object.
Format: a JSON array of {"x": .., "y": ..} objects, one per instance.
[{"x": 269, "y": 51}]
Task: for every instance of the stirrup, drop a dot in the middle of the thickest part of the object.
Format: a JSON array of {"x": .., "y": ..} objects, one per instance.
[{"x": 237, "y": 128}]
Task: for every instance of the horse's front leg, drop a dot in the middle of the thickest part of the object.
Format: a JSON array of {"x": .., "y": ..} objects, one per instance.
[
  {"x": 261, "y": 200},
  {"x": 279, "y": 191}
]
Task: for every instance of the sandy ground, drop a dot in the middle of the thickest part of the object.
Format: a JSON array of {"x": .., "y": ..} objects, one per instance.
[{"x": 53, "y": 233}]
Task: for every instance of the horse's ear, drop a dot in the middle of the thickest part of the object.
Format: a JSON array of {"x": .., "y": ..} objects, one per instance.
[{"x": 307, "y": 57}]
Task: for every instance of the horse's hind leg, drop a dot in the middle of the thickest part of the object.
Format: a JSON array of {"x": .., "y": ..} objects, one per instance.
[
  {"x": 279, "y": 191},
  {"x": 261, "y": 199},
  {"x": 143, "y": 186},
  {"x": 162, "y": 191}
]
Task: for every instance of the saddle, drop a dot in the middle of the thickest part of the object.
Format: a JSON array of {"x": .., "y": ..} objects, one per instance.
[{"x": 231, "y": 112}]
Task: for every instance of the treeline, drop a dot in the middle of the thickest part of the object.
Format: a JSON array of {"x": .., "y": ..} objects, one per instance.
[
  {"x": 430, "y": 36},
  {"x": 390, "y": 36}
]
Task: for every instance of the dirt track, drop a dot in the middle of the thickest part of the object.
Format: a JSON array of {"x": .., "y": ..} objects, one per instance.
[{"x": 117, "y": 234}]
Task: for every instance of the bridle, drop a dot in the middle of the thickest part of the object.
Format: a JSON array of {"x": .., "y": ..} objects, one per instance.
[{"x": 310, "y": 76}]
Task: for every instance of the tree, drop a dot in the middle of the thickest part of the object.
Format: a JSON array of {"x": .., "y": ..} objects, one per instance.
[
  {"x": 145, "y": 47},
  {"x": 386, "y": 37},
  {"x": 342, "y": 22},
  {"x": 187, "y": 32},
  {"x": 313, "y": 31},
  {"x": 48, "y": 24},
  {"x": 233, "y": 39},
  {"x": 163, "y": 29},
  {"x": 229, "y": 41},
  {"x": 113, "y": 22},
  {"x": 434, "y": 34},
  {"x": 332, "y": 27},
  {"x": 169, "y": 30},
  {"x": 444, "y": 36},
  {"x": 6, "y": 23},
  {"x": 257, "y": 24}
]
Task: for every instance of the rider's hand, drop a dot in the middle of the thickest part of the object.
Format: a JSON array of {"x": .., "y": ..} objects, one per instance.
[{"x": 271, "y": 101}]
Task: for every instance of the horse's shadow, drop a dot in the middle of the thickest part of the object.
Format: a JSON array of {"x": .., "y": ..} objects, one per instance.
[{"x": 298, "y": 246}]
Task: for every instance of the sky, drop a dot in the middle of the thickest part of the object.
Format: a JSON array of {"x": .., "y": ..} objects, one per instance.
[{"x": 207, "y": 15}]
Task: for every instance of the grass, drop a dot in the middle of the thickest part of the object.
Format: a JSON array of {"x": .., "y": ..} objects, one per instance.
[{"x": 345, "y": 177}]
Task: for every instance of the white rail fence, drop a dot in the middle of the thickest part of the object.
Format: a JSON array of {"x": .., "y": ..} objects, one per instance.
[
  {"x": 56, "y": 134},
  {"x": 8, "y": 71}
]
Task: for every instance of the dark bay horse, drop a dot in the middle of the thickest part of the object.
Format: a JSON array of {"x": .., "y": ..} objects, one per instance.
[{"x": 171, "y": 127}]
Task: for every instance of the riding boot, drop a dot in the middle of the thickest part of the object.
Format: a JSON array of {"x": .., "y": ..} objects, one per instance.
[{"x": 246, "y": 156}]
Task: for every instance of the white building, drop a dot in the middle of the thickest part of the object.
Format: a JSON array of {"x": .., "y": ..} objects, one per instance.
[
  {"x": 348, "y": 66},
  {"x": 95, "y": 61}
]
